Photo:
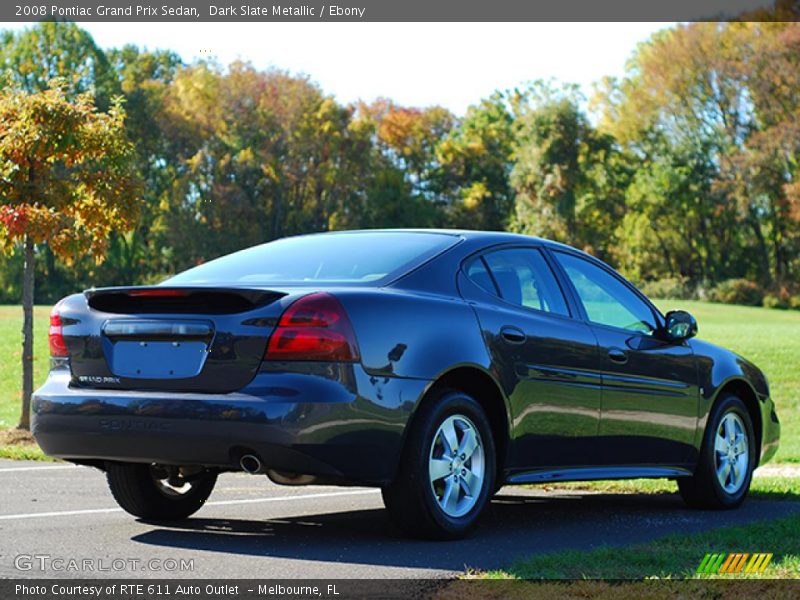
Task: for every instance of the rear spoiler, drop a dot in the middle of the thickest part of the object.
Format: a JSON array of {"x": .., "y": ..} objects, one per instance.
[{"x": 172, "y": 299}]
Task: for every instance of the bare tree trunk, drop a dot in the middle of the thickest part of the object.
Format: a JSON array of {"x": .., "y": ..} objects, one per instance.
[
  {"x": 277, "y": 213},
  {"x": 763, "y": 253},
  {"x": 27, "y": 335}
]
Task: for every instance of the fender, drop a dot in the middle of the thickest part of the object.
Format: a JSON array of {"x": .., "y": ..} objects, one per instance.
[
  {"x": 411, "y": 335},
  {"x": 719, "y": 368},
  {"x": 414, "y": 335}
]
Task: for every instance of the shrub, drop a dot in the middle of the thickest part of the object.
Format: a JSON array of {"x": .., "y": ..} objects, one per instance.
[
  {"x": 775, "y": 301},
  {"x": 738, "y": 291},
  {"x": 782, "y": 298},
  {"x": 671, "y": 288}
]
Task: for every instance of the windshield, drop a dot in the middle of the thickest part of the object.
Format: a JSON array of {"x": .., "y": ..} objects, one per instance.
[{"x": 337, "y": 258}]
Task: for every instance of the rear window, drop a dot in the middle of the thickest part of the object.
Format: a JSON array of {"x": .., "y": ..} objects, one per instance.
[{"x": 336, "y": 258}]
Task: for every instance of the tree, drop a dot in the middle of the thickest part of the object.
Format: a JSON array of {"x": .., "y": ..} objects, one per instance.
[
  {"x": 256, "y": 155},
  {"x": 729, "y": 91},
  {"x": 475, "y": 160},
  {"x": 66, "y": 177},
  {"x": 569, "y": 179},
  {"x": 548, "y": 173},
  {"x": 31, "y": 58},
  {"x": 49, "y": 50},
  {"x": 400, "y": 150},
  {"x": 145, "y": 79},
  {"x": 654, "y": 242},
  {"x": 408, "y": 138}
]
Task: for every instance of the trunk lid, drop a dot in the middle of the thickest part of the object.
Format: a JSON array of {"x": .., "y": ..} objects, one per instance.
[{"x": 193, "y": 339}]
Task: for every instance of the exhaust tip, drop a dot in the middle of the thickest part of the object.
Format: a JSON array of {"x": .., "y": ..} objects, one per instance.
[{"x": 250, "y": 463}]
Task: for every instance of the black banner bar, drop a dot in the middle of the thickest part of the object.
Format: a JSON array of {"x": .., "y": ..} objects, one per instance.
[
  {"x": 401, "y": 589},
  {"x": 192, "y": 11}
]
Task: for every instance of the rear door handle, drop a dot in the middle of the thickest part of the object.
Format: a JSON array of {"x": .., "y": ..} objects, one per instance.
[
  {"x": 618, "y": 355},
  {"x": 513, "y": 335}
]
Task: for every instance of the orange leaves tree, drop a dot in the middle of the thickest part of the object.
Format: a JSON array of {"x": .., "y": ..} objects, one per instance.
[{"x": 66, "y": 180}]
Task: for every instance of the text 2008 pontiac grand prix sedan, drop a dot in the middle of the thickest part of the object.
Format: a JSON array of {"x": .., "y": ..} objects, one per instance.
[{"x": 437, "y": 365}]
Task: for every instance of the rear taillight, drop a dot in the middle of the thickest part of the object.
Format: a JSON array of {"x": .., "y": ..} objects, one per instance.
[
  {"x": 58, "y": 347},
  {"x": 159, "y": 293},
  {"x": 314, "y": 328}
]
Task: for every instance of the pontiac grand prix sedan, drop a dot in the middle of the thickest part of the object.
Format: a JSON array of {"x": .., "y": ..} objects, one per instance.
[{"x": 436, "y": 365}]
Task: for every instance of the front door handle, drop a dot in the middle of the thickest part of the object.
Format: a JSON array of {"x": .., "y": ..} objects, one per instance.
[
  {"x": 513, "y": 335},
  {"x": 618, "y": 355}
]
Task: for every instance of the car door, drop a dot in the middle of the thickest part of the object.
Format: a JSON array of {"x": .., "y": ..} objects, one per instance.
[
  {"x": 545, "y": 359},
  {"x": 650, "y": 386}
]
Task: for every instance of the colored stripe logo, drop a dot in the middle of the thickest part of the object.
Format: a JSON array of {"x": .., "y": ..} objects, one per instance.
[{"x": 735, "y": 562}]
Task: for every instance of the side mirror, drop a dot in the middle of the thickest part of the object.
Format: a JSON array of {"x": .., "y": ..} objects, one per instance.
[{"x": 680, "y": 325}]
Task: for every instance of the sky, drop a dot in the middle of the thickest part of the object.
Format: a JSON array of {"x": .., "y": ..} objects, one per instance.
[{"x": 415, "y": 64}]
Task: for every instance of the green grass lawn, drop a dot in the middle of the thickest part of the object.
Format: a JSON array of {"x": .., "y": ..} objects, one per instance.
[
  {"x": 675, "y": 556},
  {"x": 768, "y": 337},
  {"x": 11, "y": 359},
  {"x": 764, "y": 487},
  {"x": 771, "y": 339}
]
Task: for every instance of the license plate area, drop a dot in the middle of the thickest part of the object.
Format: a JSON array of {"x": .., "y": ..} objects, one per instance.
[
  {"x": 158, "y": 360},
  {"x": 154, "y": 349}
]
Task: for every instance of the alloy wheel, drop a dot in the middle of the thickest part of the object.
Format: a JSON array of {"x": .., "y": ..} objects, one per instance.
[
  {"x": 456, "y": 465},
  {"x": 731, "y": 453}
]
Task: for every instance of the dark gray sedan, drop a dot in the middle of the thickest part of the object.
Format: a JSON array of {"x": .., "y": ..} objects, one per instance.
[{"x": 437, "y": 365}]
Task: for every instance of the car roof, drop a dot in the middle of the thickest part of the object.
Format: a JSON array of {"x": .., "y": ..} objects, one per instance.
[{"x": 491, "y": 237}]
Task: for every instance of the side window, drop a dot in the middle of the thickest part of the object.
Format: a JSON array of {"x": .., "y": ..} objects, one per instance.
[
  {"x": 522, "y": 277},
  {"x": 605, "y": 298},
  {"x": 476, "y": 271}
]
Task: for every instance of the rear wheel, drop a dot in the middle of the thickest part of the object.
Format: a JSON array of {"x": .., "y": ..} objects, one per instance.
[
  {"x": 447, "y": 470},
  {"x": 727, "y": 459},
  {"x": 159, "y": 493}
]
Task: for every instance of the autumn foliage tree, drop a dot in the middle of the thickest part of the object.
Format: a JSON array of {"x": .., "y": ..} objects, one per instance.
[
  {"x": 66, "y": 178},
  {"x": 685, "y": 168},
  {"x": 712, "y": 111}
]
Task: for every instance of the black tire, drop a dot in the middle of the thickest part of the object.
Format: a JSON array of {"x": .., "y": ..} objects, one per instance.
[
  {"x": 411, "y": 499},
  {"x": 137, "y": 492},
  {"x": 703, "y": 489}
]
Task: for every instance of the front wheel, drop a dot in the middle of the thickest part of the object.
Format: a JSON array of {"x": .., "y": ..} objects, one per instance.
[
  {"x": 727, "y": 459},
  {"x": 159, "y": 493},
  {"x": 447, "y": 469}
]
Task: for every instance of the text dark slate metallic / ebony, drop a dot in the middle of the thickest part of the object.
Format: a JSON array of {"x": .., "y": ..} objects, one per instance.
[{"x": 436, "y": 365}]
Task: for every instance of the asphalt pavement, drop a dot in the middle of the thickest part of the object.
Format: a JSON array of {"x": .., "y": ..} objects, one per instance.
[{"x": 58, "y": 520}]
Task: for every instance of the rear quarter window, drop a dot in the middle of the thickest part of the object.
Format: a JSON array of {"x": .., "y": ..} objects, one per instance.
[{"x": 519, "y": 276}]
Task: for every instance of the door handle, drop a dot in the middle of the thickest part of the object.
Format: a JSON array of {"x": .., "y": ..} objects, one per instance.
[
  {"x": 618, "y": 355},
  {"x": 513, "y": 335}
]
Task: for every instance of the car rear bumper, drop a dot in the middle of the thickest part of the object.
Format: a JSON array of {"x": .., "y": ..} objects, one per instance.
[{"x": 331, "y": 421}]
